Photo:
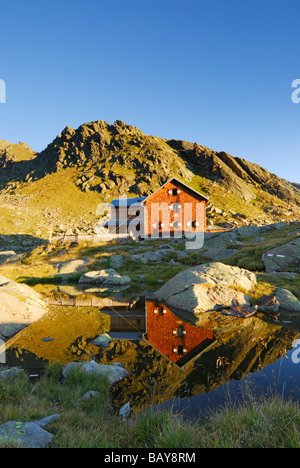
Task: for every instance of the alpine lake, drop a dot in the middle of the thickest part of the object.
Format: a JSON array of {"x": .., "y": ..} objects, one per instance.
[{"x": 171, "y": 361}]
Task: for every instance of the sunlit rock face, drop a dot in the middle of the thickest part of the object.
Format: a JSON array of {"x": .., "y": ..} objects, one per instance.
[
  {"x": 20, "y": 306},
  {"x": 207, "y": 287}
]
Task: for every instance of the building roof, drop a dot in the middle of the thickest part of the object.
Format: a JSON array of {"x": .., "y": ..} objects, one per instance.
[
  {"x": 118, "y": 222},
  {"x": 117, "y": 202},
  {"x": 125, "y": 202},
  {"x": 180, "y": 182}
]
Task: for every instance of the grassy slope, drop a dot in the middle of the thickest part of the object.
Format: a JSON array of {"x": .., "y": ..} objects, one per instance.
[
  {"x": 257, "y": 423},
  {"x": 50, "y": 201}
]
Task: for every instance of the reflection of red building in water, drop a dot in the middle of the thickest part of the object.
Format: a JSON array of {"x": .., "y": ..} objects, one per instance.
[{"x": 174, "y": 338}]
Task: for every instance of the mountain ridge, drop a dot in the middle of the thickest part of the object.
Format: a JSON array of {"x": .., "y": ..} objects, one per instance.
[{"x": 99, "y": 161}]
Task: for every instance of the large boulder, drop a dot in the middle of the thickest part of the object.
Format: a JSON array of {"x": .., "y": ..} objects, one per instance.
[
  {"x": 283, "y": 258},
  {"x": 20, "y": 306},
  {"x": 108, "y": 277},
  {"x": 205, "y": 297},
  {"x": 288, "y": 301},
  {"x": 72, "y": 267},
  {"x": 219, "y": 254},
  {"x": 207, "y": 287},
  {"x": 219, "y": 240},
  {"x": 117, "y": 261},
  {"x": 155, "y": 256},
  {"x": 11, "y": 373},
  {"x": 27, "y": 434},
  {"x": 113, "y": 373}
]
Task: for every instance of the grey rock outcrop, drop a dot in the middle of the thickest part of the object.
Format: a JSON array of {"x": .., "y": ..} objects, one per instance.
[
  {"x": 154, "y": 256},
  {"x": 108, "y": 277},
  {"x": 113, "y": 373},
  {"x": 117, "y": 261},
  {"x": 72, "y": 266},
  {"x": 207, "y": 287},
  {"x": 283, "y": 258},
  {"x": 219, "y": 254},
  {"x": 102, "y": 341},
  {"x": 206, "y": 297},
  {"x": 27, "y": 434},
  {"x": 10, "y": 374},
  {"x": 288, "y": 301}
]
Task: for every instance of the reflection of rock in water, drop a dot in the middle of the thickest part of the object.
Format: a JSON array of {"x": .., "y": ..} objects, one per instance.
[
  {"x": 250, "y": 345},
  {"x": 21, "y": 357},
  {"x": 71, "y": 328}
]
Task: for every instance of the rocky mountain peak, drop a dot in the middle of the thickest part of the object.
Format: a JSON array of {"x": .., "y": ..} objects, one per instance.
[{"x": 119, "y": 159}]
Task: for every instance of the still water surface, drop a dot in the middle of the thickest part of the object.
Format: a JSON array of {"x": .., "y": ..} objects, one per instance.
[{"x": 171, "y": 361}]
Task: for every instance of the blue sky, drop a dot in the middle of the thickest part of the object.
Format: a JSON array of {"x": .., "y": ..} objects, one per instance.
[{"x": 218, "y": 72}]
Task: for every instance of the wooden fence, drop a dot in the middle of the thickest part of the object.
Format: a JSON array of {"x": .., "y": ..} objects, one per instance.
[
  {"x": 92, "y": 238},
  {"x": 98, "y": 238},
  {"x": 89, "y": 302}
]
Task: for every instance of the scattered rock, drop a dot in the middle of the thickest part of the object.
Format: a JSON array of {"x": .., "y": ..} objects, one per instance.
[
  {"x": 283, "y": 258},
  {"x": 181, "y": 254},
  {"x": 251, "y": 230},
  {"x": 47, "y": 420},
  {"x": 27, "y": 434},
  {"x": 284, "y": 274},
  {"x": 258, "y": 240},
  {"x": 102, "y": 341},
  {"x": 105, "y": 277},
  {"x": 212, "y": 273},
  {"x": 72, "y": 267},
  {"x": 268, "y": 304},
  {"x": 241, "y": 311},
  {"x": 207, "y": 287},
  {"x": 90, "y": 394},
  {"x": 287, "y": 300},
  {"x": 219, "y": 240},
  {"x": 10, "y": 374},
  {"x": 219, "y": 254},
  {"x": 114, "y": 373},
  {"x": 125, "y": 411},
  {"x": 207, "y": 297},
  {"x": 47, "y": 339},
  {"x": 156, "y": 256},
  {"x": 117, "y": 261},
  {"x": 166, "y": 247},
  {"x": 6, "y": 255}
]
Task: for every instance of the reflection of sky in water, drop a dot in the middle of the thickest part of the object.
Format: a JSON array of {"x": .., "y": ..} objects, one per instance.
[{"x": 281, "y": 378}]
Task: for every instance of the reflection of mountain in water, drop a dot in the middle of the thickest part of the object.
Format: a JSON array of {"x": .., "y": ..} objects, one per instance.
[
  {"x": 230, "y": 350},
  {"x": 177, "y": 358}
]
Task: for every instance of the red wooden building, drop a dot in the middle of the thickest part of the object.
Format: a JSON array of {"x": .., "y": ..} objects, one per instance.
[{"x": 171, "y": 211}]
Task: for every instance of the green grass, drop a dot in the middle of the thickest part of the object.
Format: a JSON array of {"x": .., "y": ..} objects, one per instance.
[
  {"x": 249, "y": 254},
  {"x": 254, "y": 423}
]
